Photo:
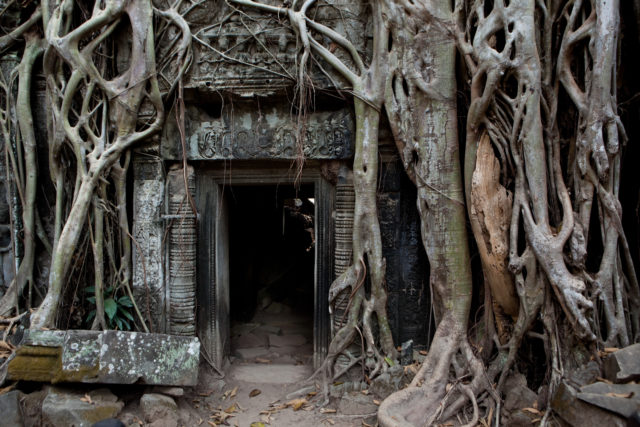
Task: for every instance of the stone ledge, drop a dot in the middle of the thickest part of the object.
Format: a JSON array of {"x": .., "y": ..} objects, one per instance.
[{"x": 110, "y": 357}]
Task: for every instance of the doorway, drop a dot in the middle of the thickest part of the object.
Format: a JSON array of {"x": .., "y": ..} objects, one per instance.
[
  {"x": 271, "y": 272},
  {"x": 265, "y": 265}
]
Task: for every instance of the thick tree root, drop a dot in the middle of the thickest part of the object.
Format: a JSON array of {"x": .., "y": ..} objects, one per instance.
[{"x": 432, "y": 397}]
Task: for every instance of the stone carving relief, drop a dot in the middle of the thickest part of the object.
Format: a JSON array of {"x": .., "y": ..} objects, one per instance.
[
  {"x": 247, "y": 52},
  {"x": 249, "y": 135},
  {"x": 326, "y": 140},
  {"x": 148, "y": 231}
]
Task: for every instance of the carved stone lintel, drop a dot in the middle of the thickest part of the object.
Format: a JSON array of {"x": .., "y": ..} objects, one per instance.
[
  {"x": 148, "y": 270},
  {"x": 182, "y": 254},
  {"x": 245, "y": 132}
]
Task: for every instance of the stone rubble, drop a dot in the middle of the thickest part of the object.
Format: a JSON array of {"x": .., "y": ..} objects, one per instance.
[{"x": 64, "y": 407}]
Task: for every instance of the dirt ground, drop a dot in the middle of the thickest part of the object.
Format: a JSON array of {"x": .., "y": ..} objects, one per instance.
[
  {"x": 266, "y": 393},
  {"x": 265, "y": 382}
]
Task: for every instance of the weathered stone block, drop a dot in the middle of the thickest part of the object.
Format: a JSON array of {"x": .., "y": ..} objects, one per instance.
[
  {"x": 62, "y": 408},
  {"x": 518, "y": 395},
  {"x": 10, "y": 410},
  {"x": 168, "y": 391},
  {"x": 623, "y": 365},
  {"x": 577, "y": 413},
  {"x": 148, "y": 229},
  {"x": 388, "y": 382},
  {"x": 156, "y": 407},
  {"x": 356, "y": 403},
  {"x": 114, "y": 357},
  {"x": 623, "y": 399}
]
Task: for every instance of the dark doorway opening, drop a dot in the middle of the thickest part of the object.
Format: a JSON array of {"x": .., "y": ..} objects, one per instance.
[{"x": 271, "y": 272}]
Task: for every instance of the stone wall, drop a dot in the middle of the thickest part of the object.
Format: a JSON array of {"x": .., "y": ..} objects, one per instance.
[{"x": 409, "y": 302}]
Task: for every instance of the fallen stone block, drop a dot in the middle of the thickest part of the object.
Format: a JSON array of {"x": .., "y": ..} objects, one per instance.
[
  {"x": 111, "y": 357},
  {"x": 158, "y": 407},
  {"x": 623, "y": 365},
  {"x": 517, "y": 394},
  {"x": 388, "y": 382},
  {"x": 62, "y": 407},
  {"x": 168, "y": 391},
  {"x": 356, "y": 403},
  {"x": 578, "y": 413},
  {"x": 623, "y": 399}
]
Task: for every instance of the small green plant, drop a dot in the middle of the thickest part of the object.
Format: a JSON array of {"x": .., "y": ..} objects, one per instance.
[{"x": 117, "y": 309}]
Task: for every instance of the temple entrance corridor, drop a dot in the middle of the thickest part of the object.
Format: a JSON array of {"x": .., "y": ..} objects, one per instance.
[{"x": 271, "y": 273}]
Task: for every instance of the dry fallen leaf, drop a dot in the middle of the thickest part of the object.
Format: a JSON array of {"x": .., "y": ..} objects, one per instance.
[
  {"x": 231, "y": 409},
  {"x": 257, "y": 424},
  {"x": 377, "y": 402},
  {"x": 611, "y": 349},
  {"x": 327, "y": 411},
  {"x": 8, "y": 388},
  {"x": 330, "y": 421},
  {"x": 296, "y": 403},
  {"x": 261, "y": 360},
  {"x": 423, "y": 352},
  {"x": 266, "y": 418},
  {"x": 6, "y": 346},
  {"x": 254, "y": 392},
  {"x": 234, "y": 392},
  {"x": 532, "y": 411},
  {"x": 365, "y": 392},
  {"x": 87, "y": 399},
  {"x": 622, "y": 395}
]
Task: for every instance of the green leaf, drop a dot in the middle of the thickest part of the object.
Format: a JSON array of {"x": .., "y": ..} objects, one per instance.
[
  {"x": 125, "y": 301},
  {"x": 92, "y": 300},
  {"x": 119, "y": 323},
  {"x": 128, "y": 327},
  {"x": 90, "y": 289},
  {"x": 389, "y": 361},
  {"x": 91, "y": 315},
  {"x": 109, "y": 290},
  {"x": 125, "y": 313},
  {"x": 110, "y": 307}
]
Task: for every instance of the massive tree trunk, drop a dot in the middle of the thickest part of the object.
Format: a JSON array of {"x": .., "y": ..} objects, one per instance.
[{"x": 421, "y": 102}]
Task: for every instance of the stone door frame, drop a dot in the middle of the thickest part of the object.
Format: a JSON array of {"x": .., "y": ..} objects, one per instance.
[{"x": 213, "y": 321}]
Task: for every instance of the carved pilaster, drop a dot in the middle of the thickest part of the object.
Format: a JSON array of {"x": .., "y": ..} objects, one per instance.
[
  {"x": 181, "y": 283},
  {"x": 148, "y": 265},
  {"x": 345, "y": 206}
]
